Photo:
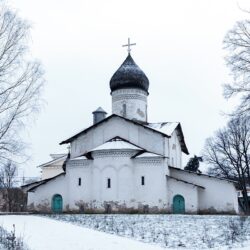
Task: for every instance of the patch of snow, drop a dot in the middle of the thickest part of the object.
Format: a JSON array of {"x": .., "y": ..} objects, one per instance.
[
  {"x": 116, "y": 144},
  {"x": 146, "y": 154},
  {"x": 164, "y": 127},
  {"x": 79, "y": 158},
  {"x": 171, "y": 231},
  {"x": 40, "y": 233}
]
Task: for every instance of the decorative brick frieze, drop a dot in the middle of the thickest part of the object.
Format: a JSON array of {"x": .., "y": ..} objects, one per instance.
[
  {"x": 113, "y": 153},
  {"x": 74, "y": 163},
  {"x": 149, "y": 161},
  {"x": 129, "y": 97}
]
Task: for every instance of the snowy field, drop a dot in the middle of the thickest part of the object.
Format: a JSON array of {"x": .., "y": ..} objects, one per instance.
[
  {"x": 158, "y": 232},
  {"x": 171, "y": 231},
  {"x": 40, "y": 233}
]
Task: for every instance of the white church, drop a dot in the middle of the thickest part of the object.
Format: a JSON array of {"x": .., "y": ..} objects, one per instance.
[{"x": 123, "y": 163}]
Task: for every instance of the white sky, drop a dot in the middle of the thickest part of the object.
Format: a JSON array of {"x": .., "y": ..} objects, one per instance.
[{"x": 179, "y": 47}]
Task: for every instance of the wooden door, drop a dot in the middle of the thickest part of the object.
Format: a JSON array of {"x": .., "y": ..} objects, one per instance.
[
  {"x": 178, "y": 204},
  {"x": 57, "y": 203}
]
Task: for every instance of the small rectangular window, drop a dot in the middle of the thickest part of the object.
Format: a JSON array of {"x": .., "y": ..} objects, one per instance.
[
  {"x": 142, "y": 180},
  {"x": 79, "y": 181},
  {"x": 109, "y": 183}
]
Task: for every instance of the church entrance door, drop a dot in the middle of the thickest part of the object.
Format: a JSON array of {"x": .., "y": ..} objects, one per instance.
[
  {"x": 57, "y": 203},
  {"x": 178, "y": 204}
]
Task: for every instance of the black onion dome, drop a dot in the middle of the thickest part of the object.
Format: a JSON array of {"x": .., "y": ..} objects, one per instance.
[{"x": 129, "y": 75}]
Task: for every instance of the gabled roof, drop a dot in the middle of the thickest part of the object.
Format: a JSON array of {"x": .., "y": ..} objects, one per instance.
[
  {"x": 186, "y": 182},
  {"x": 165, "y": 129},
  {"x": 42, "y": 182},
  {"x": 53, "y": 161},
  {"x": 116, "y": 143},
  {"x": 106, "y": 120},
  {"x": 168, "y": 128},
  {"x": 32, "y": 183},
  {"x": 205, "y": 175},
  {"x": 56, "y": 156}
]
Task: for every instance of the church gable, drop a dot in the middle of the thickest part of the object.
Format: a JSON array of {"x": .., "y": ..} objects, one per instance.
[
  {"x": 116, "y": 126},
  {"x": 169, "y": 128}
]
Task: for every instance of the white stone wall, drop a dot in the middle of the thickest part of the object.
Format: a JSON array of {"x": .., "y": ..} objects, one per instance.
[
  {"x": 219, "y": 195},
  {"x": 41, "y": 198},
  {"x": 130, "y": 103},
  {"x": 189, "y": 192},
  {"x": 79, "y": 195},
  {"x": 175, "y": 152},
  {"x": 126, "y": 192},
  {"x": 154, "y": 192},
  {"x": 52, "y": 170}
]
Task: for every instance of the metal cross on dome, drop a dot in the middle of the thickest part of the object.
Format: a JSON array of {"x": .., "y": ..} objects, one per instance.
[{"x": 128, "y": 45}]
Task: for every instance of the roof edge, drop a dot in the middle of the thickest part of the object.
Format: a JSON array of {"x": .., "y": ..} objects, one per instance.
[
  {"x": 186, "y": 182},
  {"x": 205, "y": 175},
  {"x": 45, "y": 181},
  {"x": 105, "y": 120},
  {"x": 52, "y": 161}
]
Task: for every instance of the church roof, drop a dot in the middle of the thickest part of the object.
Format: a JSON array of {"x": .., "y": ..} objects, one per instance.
[
  {"x": 129, "y": 75},
  {"x": 146, "y": 126},
  {"x": 102, "y": 121},
  {"x": 164, "y": 127},
  {"x": 57, "y": 156},
  {"x": 186, "y": 182},
  {"x": 42, "y": 182},
  {"x": 99, "y": 110},
  {"x": 54, "y": 161},
  {"x": 116, "y": 144},
  {"x": 205, "y": 175},
  {"x": 168, "y": 128},
  {"x": 147, "y": 155}
]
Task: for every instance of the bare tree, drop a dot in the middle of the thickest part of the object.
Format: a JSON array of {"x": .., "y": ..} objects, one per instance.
[
  {"x": 13, "y": 198},
  {"x": 8, "y": 175},
  {"x": 237, "y": 42},
  {"x": 228, "y": 154},
  {"x": 21, "y": 83}
]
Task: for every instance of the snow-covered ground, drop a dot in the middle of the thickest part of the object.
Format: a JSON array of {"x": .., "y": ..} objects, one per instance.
[
  {"x": 40, "y": 233},
  {"x": 171, "y": 231},
  {"x": 75, "y": 232}
]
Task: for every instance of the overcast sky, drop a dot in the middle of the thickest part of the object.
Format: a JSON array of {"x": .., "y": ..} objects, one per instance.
[{"x": 179, "y": 47}]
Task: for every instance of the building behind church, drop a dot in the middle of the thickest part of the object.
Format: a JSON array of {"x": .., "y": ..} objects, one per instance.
[{"x": 124, "y": 163}]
